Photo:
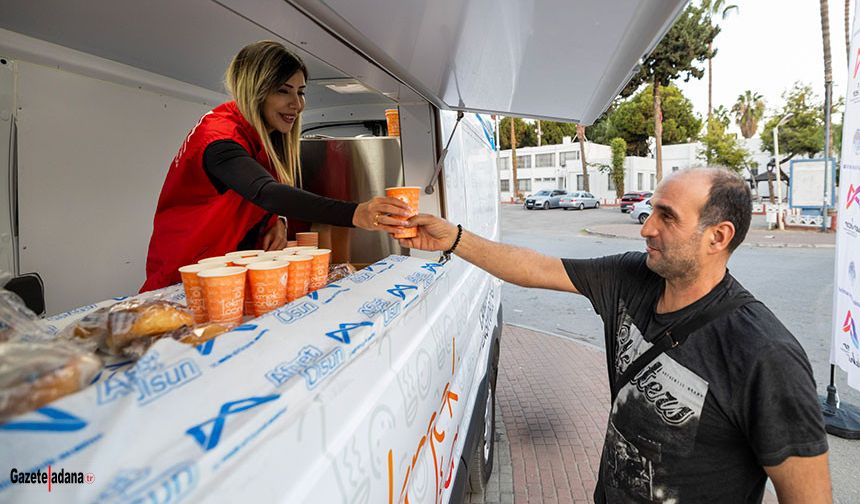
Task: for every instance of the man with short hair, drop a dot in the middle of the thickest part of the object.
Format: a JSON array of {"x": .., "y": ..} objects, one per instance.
[{"x": 710, "y": 419}]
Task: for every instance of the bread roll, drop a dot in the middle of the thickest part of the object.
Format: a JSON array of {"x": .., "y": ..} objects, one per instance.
[
  {"x": 136, "y": 320},
  {"x": 35, "y": 374}
]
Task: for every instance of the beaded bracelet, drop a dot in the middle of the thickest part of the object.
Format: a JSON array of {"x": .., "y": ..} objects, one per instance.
[{"x": 446, "y": 256}]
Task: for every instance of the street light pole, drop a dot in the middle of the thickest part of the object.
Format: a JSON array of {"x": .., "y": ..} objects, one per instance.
[
  {"x": 778, "y": 170},
  {"x": 779, "y": 217}
]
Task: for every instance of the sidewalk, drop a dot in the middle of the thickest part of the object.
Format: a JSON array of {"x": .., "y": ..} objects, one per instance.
[
  {"x": 553, "y": 398},
  {"x": 758, "y": 235}
]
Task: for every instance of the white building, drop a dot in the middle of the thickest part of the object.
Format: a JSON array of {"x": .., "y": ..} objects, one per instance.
[{"x": 559, "y": 167}]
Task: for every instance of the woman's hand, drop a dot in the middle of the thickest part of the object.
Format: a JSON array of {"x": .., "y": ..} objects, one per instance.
[
  {"x": 276, "y": 237},
  {"x": 375, "y": 214},
  {"x": 433, "y": 233}
]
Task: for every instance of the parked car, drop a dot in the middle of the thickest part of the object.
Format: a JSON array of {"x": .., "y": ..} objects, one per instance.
[
  {"x": 641, "y": 211},
  {"x": 631, "y": 198},
  {"x": 579, "y": 200},
  {"x": 545, "y": 199}
]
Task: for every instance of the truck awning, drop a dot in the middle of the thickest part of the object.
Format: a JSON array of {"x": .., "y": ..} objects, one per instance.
[{"x": 552, "y": 59}]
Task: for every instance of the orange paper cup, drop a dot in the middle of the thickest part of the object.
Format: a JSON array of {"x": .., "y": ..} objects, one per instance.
[
  {"x": 298, "y": 250},
  {"x": 224, "y": 291},
  {"x": 244, "y": 262},
  {"x": 268, "y": 281},
  {"x": 410, "y": 196},
  {"x": 272, "y": 254},
  {"x": 243, "y": 253},
  {"x": 222, "y": 260},
  {"x": 299, "y": 276},
  {"x": 319, "y": 268},
  {"x": 194, "y": 289},
  {"x": 392, "y": 118},
  {"x": 292, "y": 243}
]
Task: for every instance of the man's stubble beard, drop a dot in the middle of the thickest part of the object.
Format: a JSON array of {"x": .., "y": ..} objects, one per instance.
[{"x": 680, "y": 266}]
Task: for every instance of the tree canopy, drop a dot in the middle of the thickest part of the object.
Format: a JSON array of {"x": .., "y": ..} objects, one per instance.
[
  {"x": 526, "y": 133},
  {"x": 553, "y": 132},
  {"x": 679, "y": 53},
  {"x": 803, "y": 133},
  {"x": 722, "y": 148},
  {"x": 721, "y": 114},
  {"x": 633, "y": 121},
  {"x": 686, "y": 45}
]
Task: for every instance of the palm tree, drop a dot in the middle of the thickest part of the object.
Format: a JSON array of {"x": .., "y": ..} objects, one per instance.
[
  {"x": 748, "y": 111},
  {"x": 580, "y": 135},
  {"x": 828, "y": 77},
  {"x": 714, "y": 8}
]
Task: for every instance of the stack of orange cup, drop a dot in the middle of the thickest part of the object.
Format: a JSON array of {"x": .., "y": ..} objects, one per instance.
[
  {"x": 410, "y": 196},
  {"x": 194, "y": 289},
  {"x": 292, "y": 243},
  {"x": 299, "y": 276},
  {"x": 268, "y": 283},
  {"x": 224, "y": 292},
  {"x": 319, "y": 267},
  {"x": 308, "y": 239}
]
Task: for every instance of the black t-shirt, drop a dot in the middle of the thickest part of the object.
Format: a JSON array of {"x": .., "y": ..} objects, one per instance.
[{"x": 699, "y": 422}]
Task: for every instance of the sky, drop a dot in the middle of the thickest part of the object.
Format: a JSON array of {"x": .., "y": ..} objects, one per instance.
[{"x": 767, "y": 45}]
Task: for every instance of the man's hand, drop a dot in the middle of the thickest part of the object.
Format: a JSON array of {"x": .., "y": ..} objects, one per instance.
[
  {"x": 276, "y": 236},
  {"x": 433, "y": 233},
  {"x": 375, "y": 214},
  {"x": 520, "y": 266}
]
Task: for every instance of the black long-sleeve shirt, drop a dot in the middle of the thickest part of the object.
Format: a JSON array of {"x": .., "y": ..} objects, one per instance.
[{"x": 230, "y": 167}]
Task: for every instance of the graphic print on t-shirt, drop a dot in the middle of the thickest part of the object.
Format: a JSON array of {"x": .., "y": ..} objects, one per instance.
[{"x": 653, "y": 422}]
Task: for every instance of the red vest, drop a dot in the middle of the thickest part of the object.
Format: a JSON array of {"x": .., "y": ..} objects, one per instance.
[{"x": 192, "y": 221}]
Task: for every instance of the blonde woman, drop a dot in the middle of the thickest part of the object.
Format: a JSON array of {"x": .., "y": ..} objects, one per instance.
[{"x": 238, "y": 170}]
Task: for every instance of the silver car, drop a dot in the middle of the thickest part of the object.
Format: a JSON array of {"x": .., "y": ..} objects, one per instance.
[
  {"x": 544, "y": 199},
  {"x": 579, "y": 200},
  {"x": 641, "y": 211}
]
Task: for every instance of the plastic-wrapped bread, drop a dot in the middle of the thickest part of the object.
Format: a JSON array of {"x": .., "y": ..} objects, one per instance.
[
  {"x": 133, "y": 325},
  {"x": 89, "y": 332},
  {"x": 203, "y": 333},
  {"x": 35, "y": 374},
  {"x": 17, "y": 322}
]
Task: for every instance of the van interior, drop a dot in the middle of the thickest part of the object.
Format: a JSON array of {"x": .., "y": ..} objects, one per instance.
[{"x": 97, "y": 96}]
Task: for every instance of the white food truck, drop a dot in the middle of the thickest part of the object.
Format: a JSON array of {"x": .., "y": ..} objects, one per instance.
[{"x": 377, "y": 388}]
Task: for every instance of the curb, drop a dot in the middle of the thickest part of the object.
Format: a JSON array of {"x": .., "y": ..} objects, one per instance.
[
  {"x": 561, "y": 336},
  {"x": 610, "y": 235},
  {"x": 756, "y": 244}
]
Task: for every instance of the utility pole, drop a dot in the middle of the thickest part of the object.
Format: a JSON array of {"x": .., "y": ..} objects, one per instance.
[{"x": 515, "y": 182}]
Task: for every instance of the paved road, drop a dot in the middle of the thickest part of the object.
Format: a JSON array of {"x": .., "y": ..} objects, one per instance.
[{"x": 796, "y": 283}]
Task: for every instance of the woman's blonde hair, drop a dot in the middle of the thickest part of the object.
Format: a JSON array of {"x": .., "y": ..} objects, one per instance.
[{"x": 257, "y": 71}]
